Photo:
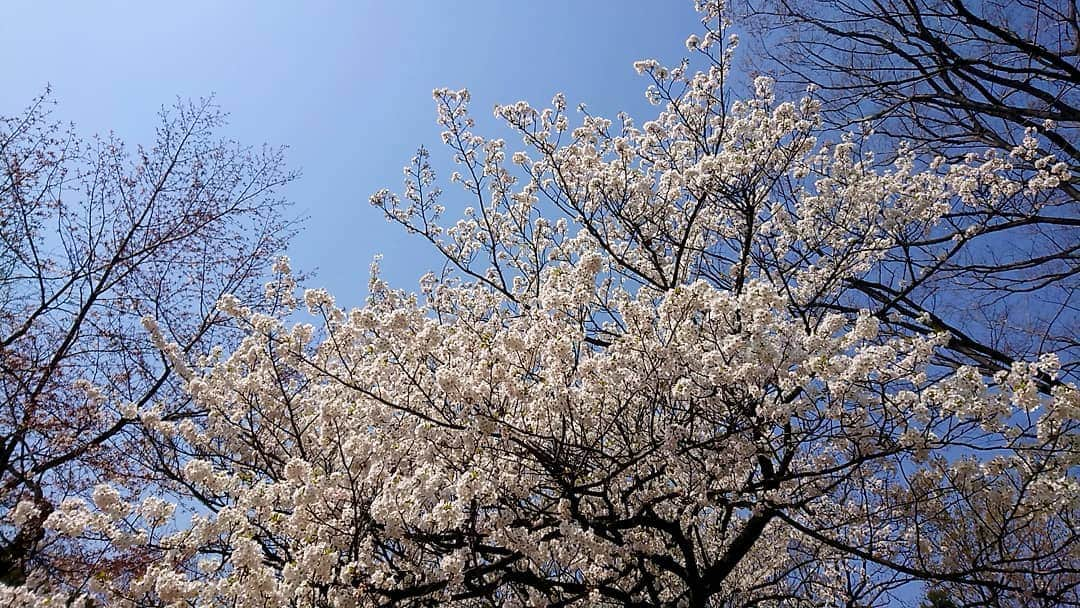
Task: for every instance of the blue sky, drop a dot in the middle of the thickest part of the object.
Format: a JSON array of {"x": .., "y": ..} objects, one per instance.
[{"x": 346, "y": 85}]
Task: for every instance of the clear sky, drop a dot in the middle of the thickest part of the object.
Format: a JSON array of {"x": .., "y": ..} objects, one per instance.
[{"x": 346, "y": 85}]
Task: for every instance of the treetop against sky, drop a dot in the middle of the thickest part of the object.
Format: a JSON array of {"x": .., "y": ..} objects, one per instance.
[
  {"x": 735, "y": 346},
  {"x": 346, "y": 85}
]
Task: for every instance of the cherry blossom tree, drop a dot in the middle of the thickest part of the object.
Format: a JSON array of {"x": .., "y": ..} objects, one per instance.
[{"x": 648, "y": 375}]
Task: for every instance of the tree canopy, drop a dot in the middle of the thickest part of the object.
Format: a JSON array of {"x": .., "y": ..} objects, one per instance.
[{"x": 681, "y": 362}]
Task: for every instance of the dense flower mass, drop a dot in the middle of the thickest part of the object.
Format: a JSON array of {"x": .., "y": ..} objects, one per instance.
[{"x": 643, "y": 380}]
